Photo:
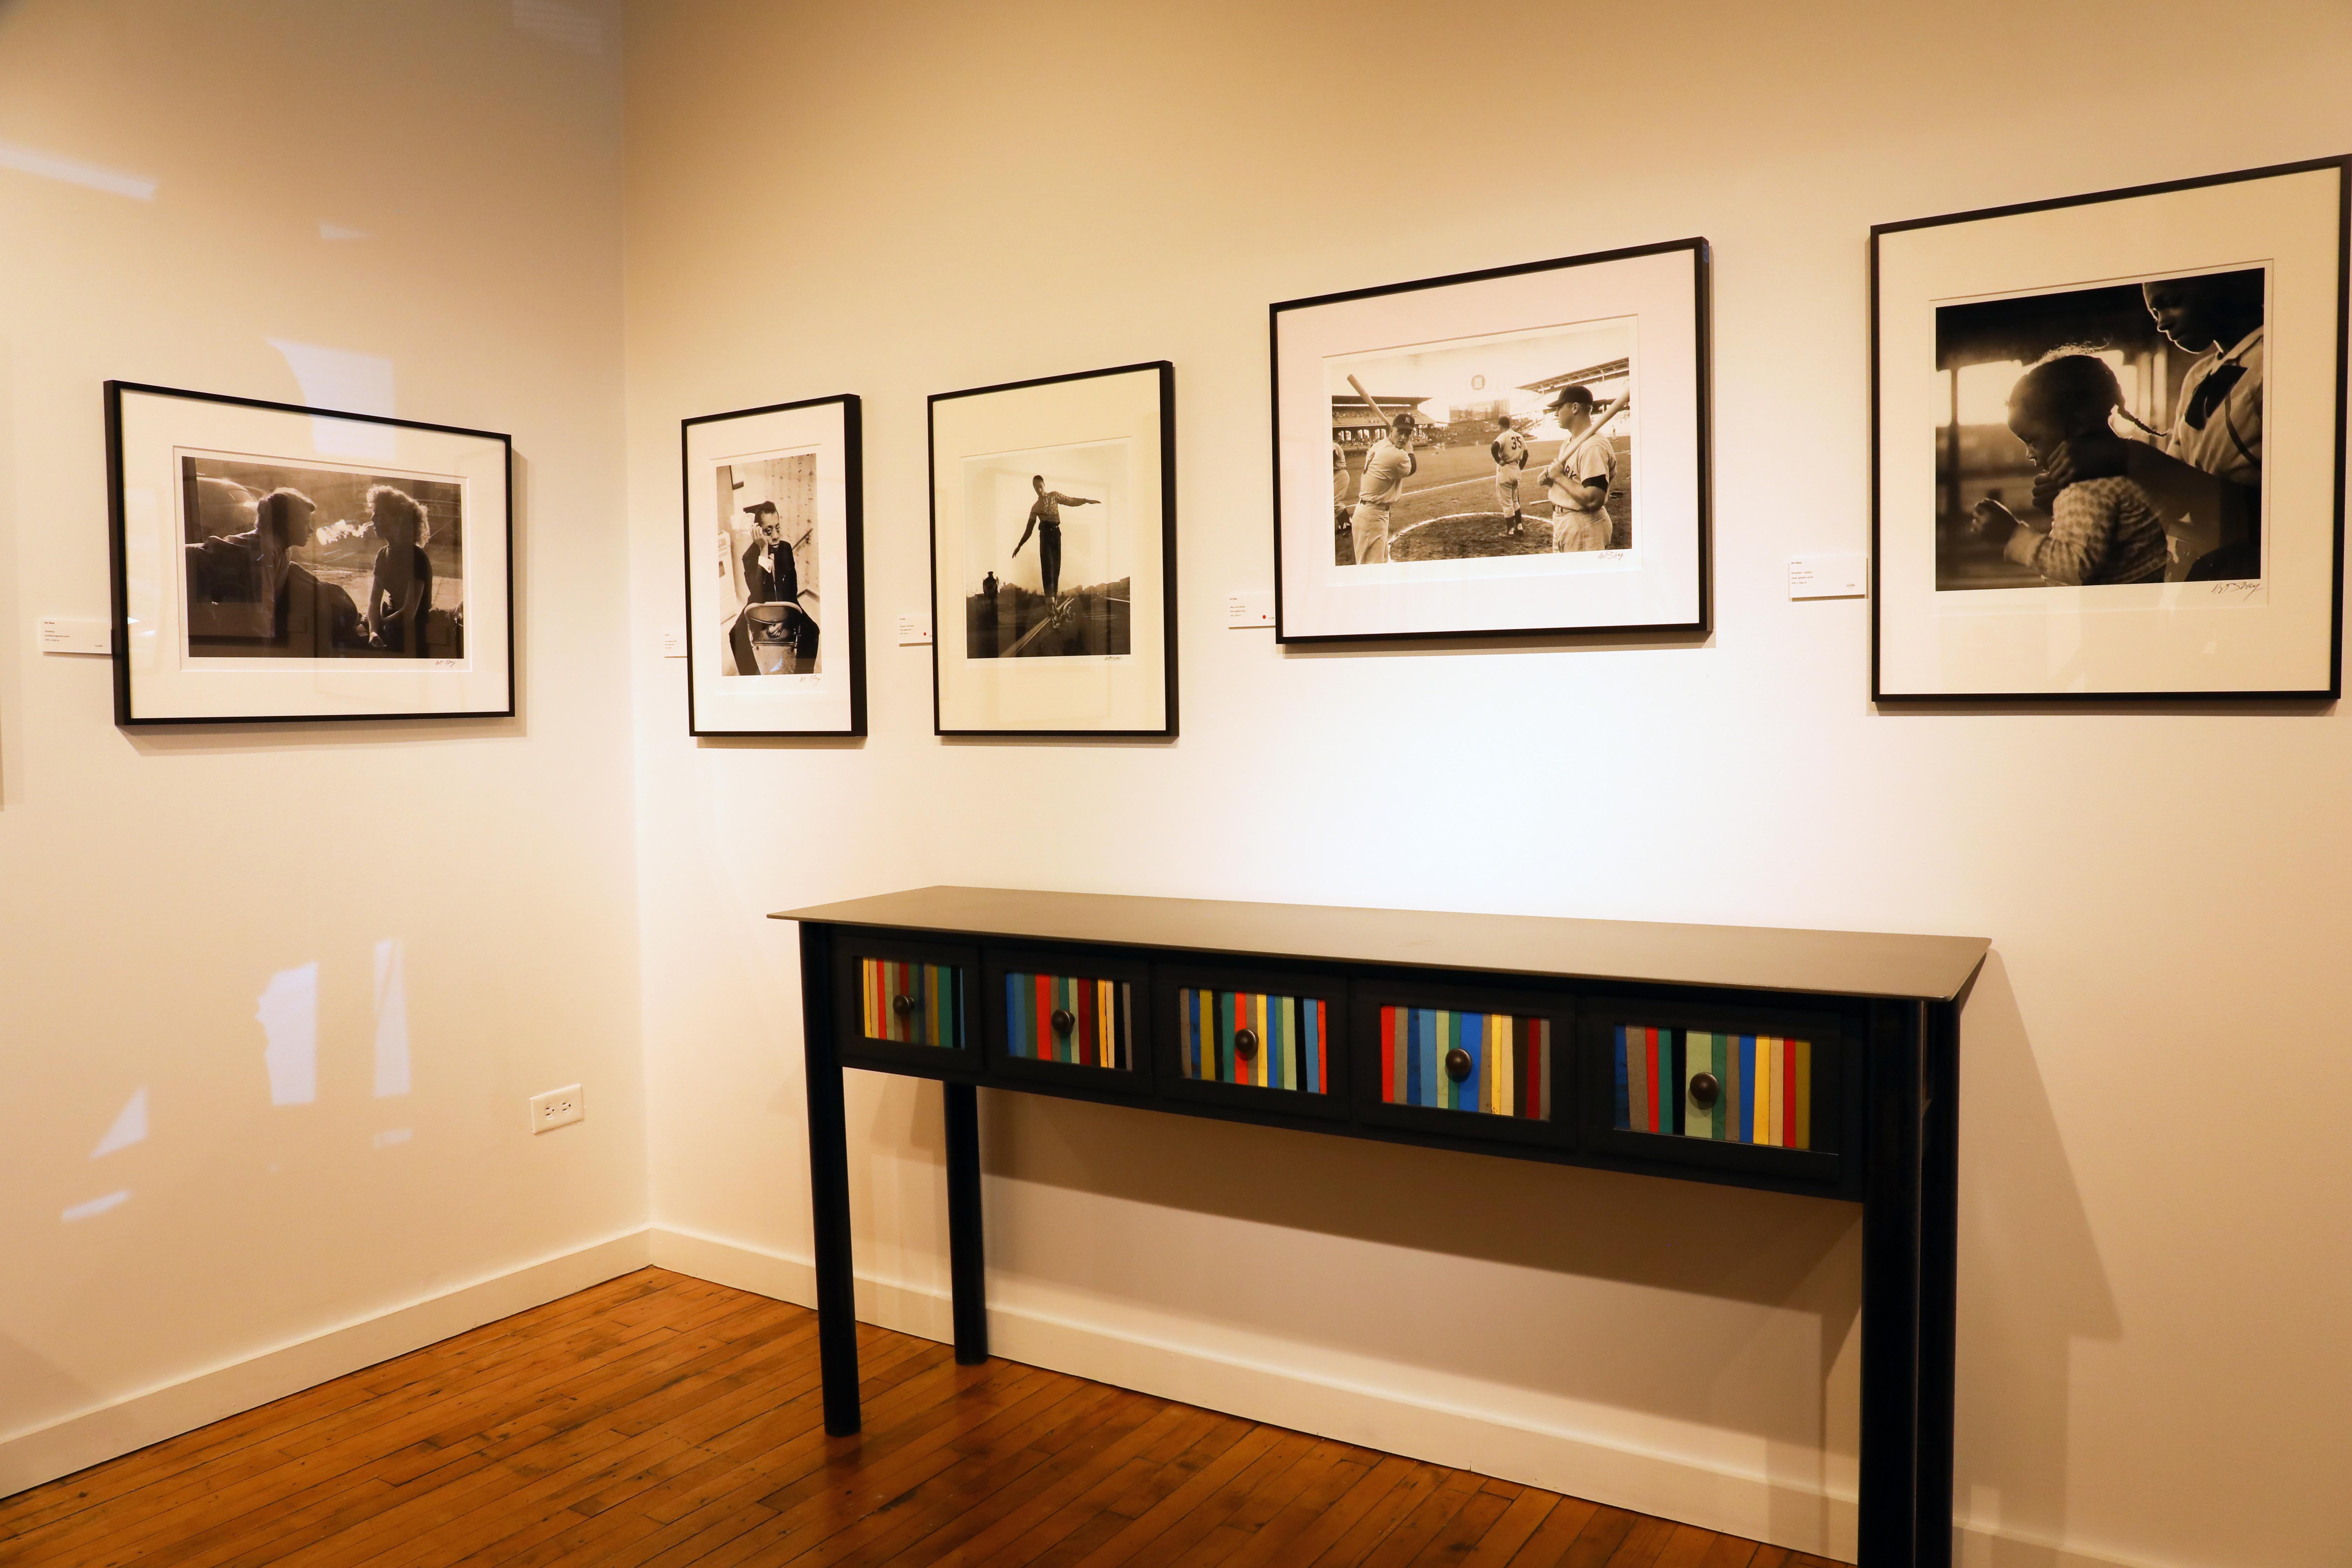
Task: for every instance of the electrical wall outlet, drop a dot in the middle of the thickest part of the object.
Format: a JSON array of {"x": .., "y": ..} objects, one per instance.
[{"x": 557, "y": 1108}]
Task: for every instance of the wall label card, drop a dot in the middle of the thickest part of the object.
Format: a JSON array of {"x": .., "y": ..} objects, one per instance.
[
  {"x": 60, "y": 633},
  {"x": 1834, "y": 577}
]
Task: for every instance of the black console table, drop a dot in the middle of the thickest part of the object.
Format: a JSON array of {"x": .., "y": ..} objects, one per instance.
[{"x": 1823, "y": 1063}]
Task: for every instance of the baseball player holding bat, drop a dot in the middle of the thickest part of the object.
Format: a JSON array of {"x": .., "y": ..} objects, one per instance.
[
  {"x": 1578, "y": 480},
  {"x": 1386, "y": 467}
]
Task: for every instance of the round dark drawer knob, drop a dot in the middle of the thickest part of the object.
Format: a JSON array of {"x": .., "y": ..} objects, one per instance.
[
  {"x": 1245, "y": 1043},
  {"x": 1457, "y": 1064},
  {"x": 902, "y": 1005},
  {"x": 1704, "y": 1091},
  {"x": 1064, "y": 1022}
]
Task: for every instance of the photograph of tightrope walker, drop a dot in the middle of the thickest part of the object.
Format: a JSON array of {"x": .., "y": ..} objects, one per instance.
[
  {"x": 1521, "y": 450},
  {"x": 1053, "y": 555}
]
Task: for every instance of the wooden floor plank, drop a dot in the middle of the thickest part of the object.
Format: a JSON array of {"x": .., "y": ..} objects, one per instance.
[
  {"x": 1728, "y": 1551},
  {"x": 660, "y": 1421},
  {"x": 1417, "y": 1528},
  {"x": 1513, "y": 1530},
  {"x": 1364, "y": 1533}
]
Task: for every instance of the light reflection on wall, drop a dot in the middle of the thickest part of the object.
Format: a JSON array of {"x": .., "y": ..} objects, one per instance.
[
  {"x": 391, "y": 1018},
  {"x": 289, "y": 1012},
  {"x": 129, "y": 1126},
  {"x": 354, "y": 383},
  {"x": 73, "y": 172},
  {"x": 566, "y": 25}
]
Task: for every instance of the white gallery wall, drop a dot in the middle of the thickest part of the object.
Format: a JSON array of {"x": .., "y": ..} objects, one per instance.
[
  {"x": 411, "y": 210},
  {"x": 900, "y": 199}
]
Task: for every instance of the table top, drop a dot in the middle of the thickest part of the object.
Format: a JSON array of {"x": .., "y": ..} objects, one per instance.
[{"x": 1768, "y": 958}]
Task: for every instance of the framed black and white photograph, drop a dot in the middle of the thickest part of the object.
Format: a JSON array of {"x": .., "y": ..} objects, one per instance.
[
  {"x": 775, "y": 602},
  {"x": 2108, "y": 443},
  {"x": 1515, "y": 451},
  {"x": 1053, "y": 555},
  {"x": 280, "y": 563}
]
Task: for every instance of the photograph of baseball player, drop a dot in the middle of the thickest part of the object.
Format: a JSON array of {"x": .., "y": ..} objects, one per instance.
[
  {"x": 1046, "y": 529},
  {"x": 767, "y": 559},
  {"x": 1519, "y": 450},
  {"x": 1519, "y": 443},
  {"x": 774, "y": 610},
  {"x": 2093, "y": 478}
]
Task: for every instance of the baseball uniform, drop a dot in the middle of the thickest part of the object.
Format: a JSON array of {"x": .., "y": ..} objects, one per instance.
[
  {"x": 1573, "y": 526},
  {"x": 1385, "y": 468},
  {"x": 1510, "y": 454}
]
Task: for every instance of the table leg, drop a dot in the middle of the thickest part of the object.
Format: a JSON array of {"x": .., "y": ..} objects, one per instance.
[
  {"x": 1890, "y": 1525},
  {"x": 828, "y": 1140},
  {"x": 967, "y": 1258},
  {"x": 1939, "y": 1246}
]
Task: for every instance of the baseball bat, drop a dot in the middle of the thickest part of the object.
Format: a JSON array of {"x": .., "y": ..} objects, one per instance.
[
  {"x": 1599, "y": 421},
  {"x": 1378, "y": 412}
]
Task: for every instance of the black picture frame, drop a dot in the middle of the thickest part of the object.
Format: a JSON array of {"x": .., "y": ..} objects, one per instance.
[
  {"x": 947, "y": 640},
  {"x": 1898, "y": 691},
  {"x": 1698, "y": 623},
  {"x": 127, "y": 685},
  {"x": 761, "y": 716}
]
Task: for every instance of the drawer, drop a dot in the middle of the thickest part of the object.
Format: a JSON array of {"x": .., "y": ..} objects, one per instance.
[
  {"x": 1469, "y": 1061},
  {"x": 1070, "y": 1019},
  {"x": 1243, "y": 1036},
  {"x": 911, "y": 1004},
  {"x": 1701, "y": 1083},
  {"x": 908, "y": 1006},
  {"x": 1754, "y": 1089}
]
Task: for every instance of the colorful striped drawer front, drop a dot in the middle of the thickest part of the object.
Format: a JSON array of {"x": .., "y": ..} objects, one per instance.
[
  {"x": 935, "y": 989},
  {"x": 1766, "y": 1093},
  {"x": 1510, "y": 1061},
  {"x": 1293, "y": 1035},
  {"x": 1102, "y": 1034}
]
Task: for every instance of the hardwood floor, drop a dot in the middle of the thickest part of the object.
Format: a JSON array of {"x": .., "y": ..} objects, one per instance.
[{"x": 663, "y": 1421}]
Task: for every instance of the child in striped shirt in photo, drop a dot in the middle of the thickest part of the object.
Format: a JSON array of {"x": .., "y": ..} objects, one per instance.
[{"x": 2102, "y": 531}]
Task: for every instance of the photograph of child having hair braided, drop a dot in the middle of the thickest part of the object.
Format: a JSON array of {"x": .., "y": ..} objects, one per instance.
[{"x": 2102, "y": 435}]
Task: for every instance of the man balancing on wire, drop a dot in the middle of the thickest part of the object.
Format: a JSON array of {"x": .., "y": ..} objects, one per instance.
[{"x": 1045, "y": 522}]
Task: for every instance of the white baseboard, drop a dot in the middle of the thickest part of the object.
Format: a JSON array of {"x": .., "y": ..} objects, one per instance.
[
  {"x": 120, "y": 1426},
  {"x": 1663, "y": 1484},
  {"x": 1802, "y": 1518}
]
